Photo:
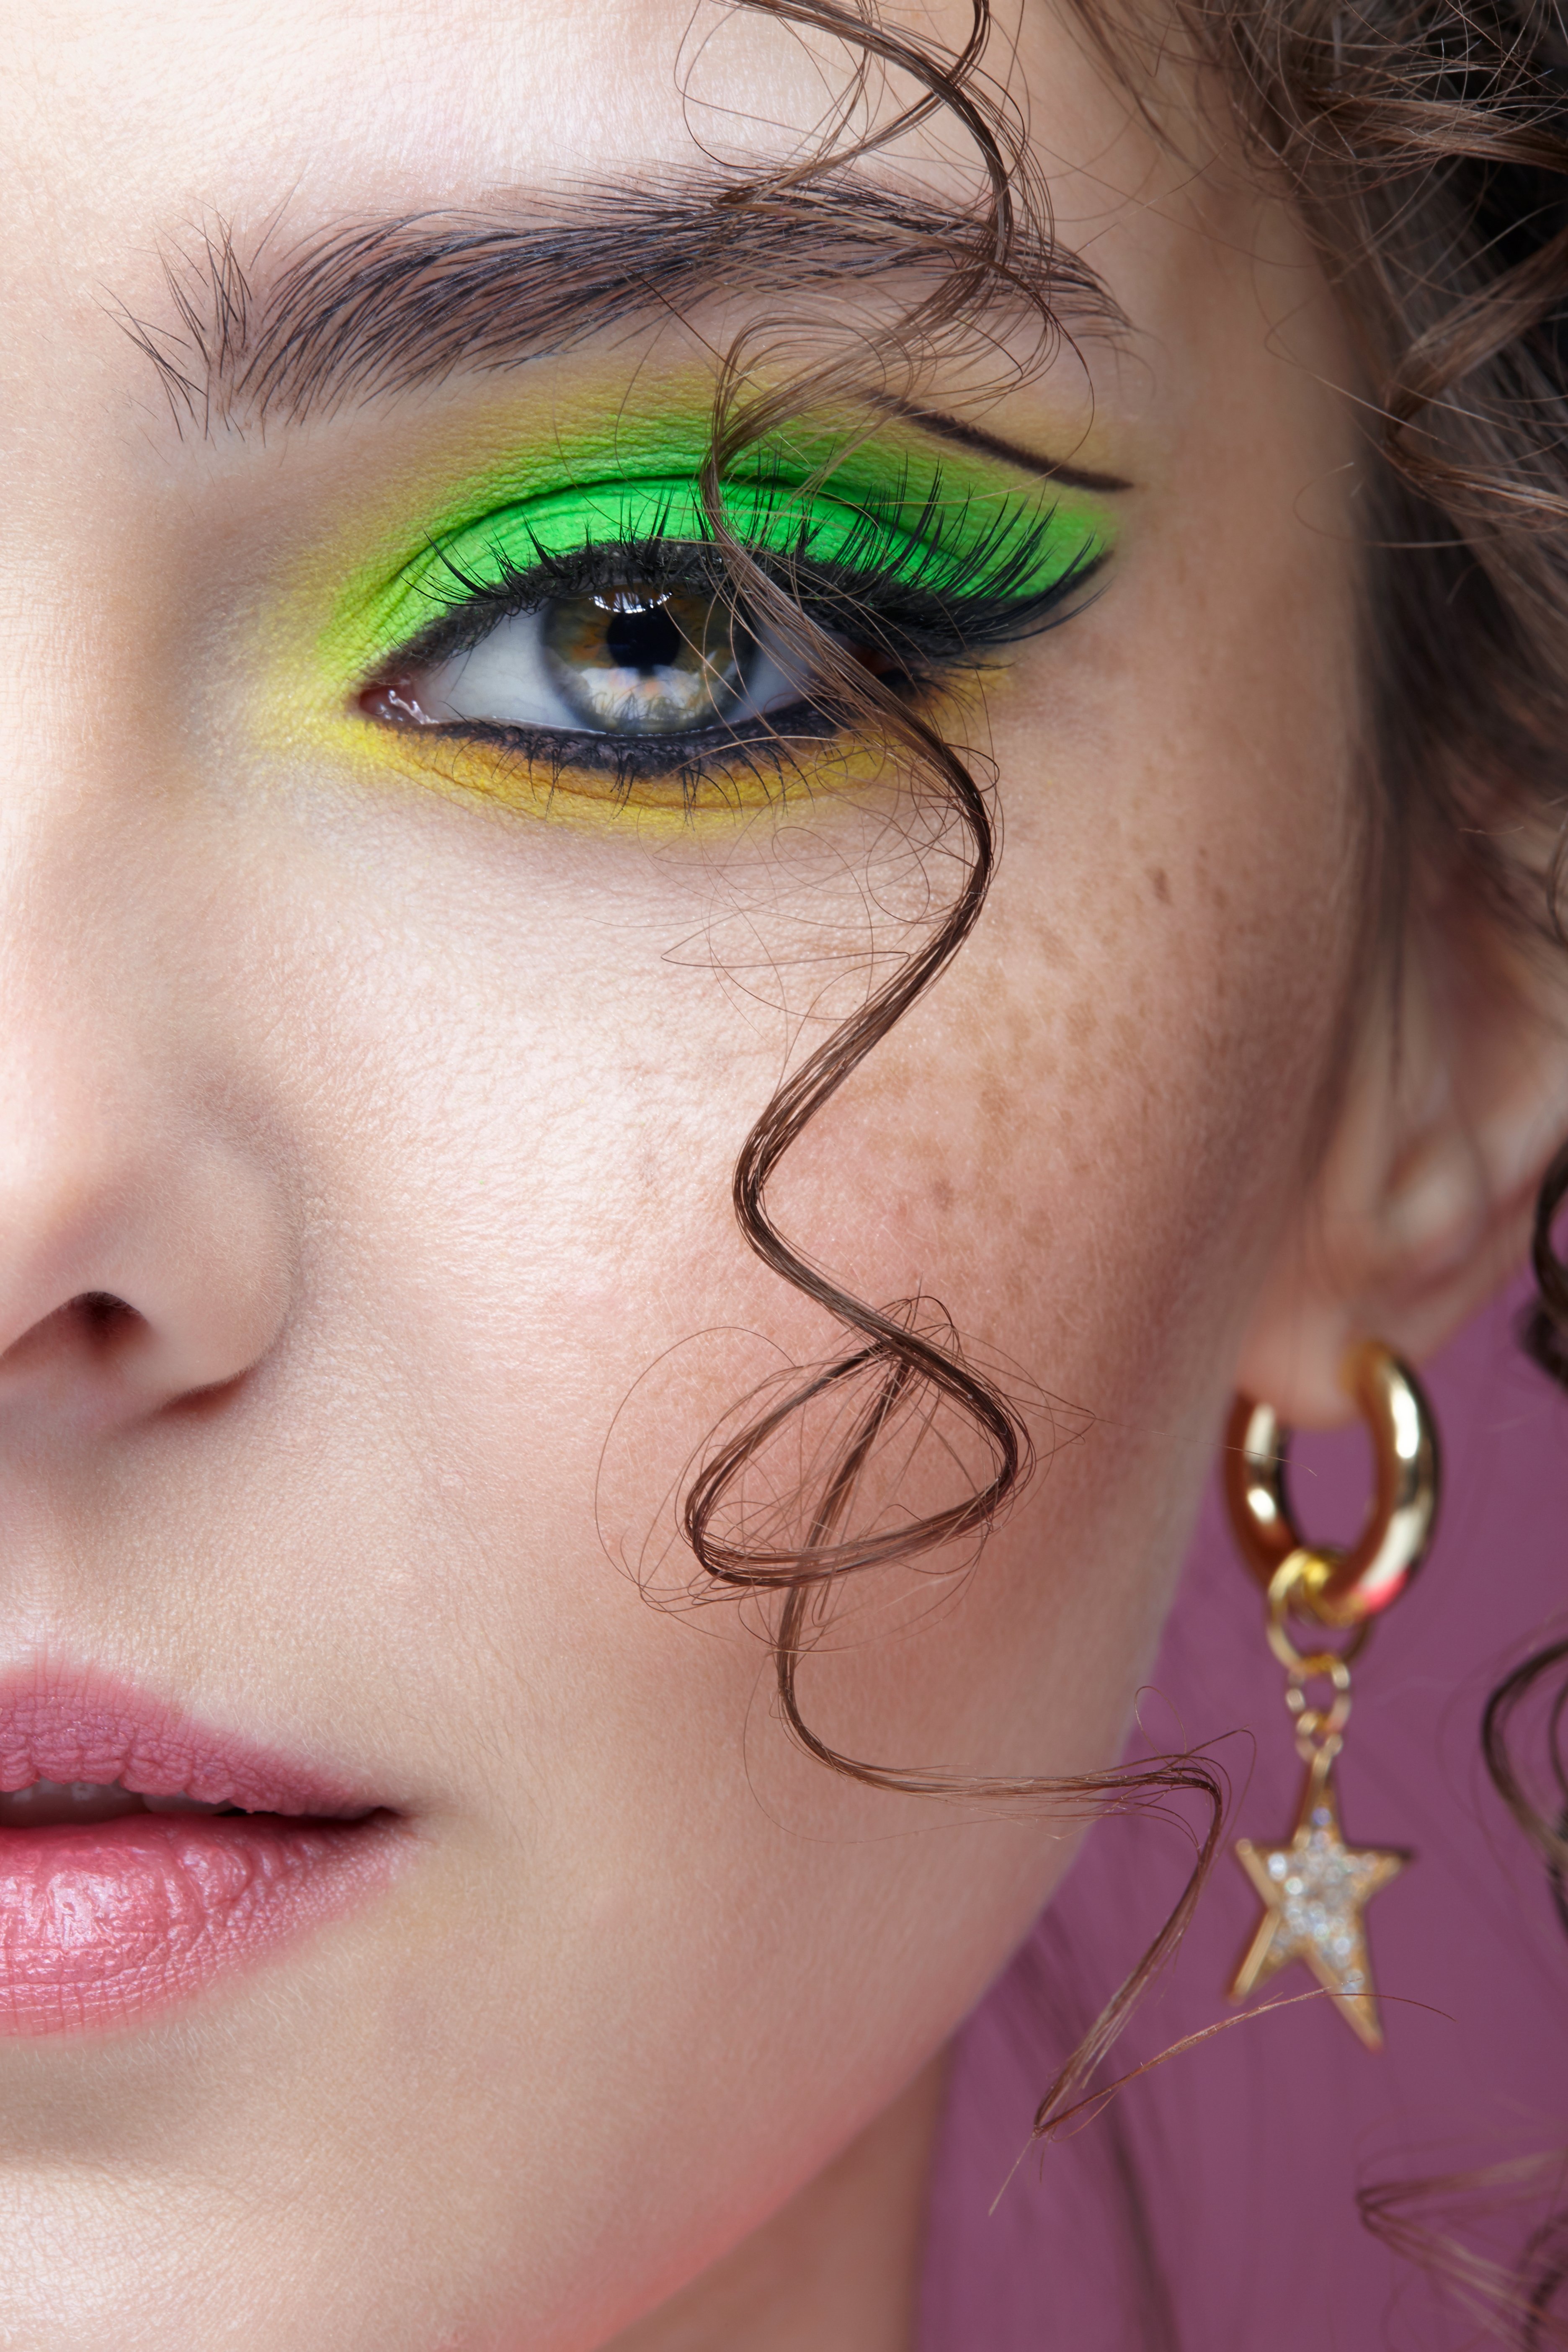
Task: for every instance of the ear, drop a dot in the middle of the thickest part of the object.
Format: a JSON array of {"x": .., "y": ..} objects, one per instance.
[{"x": 1422, "y": 1202}]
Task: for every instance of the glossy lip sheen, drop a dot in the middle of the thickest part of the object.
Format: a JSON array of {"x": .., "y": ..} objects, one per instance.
[{"x": 102, "y": 1923}]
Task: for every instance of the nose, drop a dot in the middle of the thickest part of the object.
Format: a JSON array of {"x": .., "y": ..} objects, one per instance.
[
  {"x": 143, "y": 1250},
  {"x": 130, "y": 1278}
]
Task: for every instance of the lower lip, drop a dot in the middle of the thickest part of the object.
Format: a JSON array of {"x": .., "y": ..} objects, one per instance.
[{"x": 104, "y": 1924}]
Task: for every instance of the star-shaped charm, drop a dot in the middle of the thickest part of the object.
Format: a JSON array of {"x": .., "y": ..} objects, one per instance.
[{"x": 1314, "y": 1891}]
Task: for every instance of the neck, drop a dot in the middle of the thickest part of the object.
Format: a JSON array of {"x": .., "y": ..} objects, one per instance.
[{"x": 836, "y": 2269}]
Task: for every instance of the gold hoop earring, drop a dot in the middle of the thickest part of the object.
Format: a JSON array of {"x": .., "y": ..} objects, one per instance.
[{"x": 1314, "y": 1887}]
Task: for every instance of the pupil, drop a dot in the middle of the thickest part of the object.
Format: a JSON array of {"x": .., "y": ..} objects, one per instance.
[
  {"x": 644, "y": 641},
  {"x": 638, "y": 660}
]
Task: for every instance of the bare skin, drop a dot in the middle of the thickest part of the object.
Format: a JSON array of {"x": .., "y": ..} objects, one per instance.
[
  {"x": 399, "y": 1119},
  {"x": 836, "y": 2267}
]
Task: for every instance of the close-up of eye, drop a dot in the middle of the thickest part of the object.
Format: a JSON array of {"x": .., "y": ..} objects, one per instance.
[
  {"x": 632, "y": 656},
  {"x": 631, "y": 659}
]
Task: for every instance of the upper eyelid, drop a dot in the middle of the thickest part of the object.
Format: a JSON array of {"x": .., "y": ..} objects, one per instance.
[
  {"x": 515, "y": 589},
  {"x": 907, "y": 504},
  {"x": 446, "y": 637}
]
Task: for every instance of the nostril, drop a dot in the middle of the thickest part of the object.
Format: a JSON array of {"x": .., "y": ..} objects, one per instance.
[
  {"x": 92, "y": 1328},
  {"x": 101, "y": 1316}
]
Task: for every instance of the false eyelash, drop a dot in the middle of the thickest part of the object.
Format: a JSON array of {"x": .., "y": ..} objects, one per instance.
[
  {"x": 949, "y": 608},
  {"x": 948, "y": 613}
]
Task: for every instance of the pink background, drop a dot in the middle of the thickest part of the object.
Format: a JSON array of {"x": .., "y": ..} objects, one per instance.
[{"x": 1241, "y": 2158}]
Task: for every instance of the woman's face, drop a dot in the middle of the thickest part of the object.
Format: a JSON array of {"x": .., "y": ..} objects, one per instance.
[{"x": 370, "y": 1279}]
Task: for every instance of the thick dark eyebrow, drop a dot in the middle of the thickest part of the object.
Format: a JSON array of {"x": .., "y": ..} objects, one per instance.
[{"x": 389, "y": 304}]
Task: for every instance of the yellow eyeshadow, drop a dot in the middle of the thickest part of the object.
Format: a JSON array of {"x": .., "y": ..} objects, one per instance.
[{"x": 723, "y": 791}]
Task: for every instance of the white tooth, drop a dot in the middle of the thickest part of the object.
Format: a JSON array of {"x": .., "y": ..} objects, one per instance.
[
  {"x": 56, "y": 1803},
  {"x": 53, "y": 1803}
]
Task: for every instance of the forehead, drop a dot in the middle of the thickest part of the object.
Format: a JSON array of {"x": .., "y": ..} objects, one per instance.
[
  {"x": 130, "y": 133},
  {"x": 352, "y": 100}
]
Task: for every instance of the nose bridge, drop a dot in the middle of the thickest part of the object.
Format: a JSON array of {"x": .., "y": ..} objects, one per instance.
[
  {"x": 122, "y": 1173},
  {"x": 129, "y": 1169},
  {"x": 79, "y": 1094}
]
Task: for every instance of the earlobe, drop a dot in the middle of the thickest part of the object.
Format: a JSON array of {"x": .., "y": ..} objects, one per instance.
[{"x": 1421, "y": 1206}]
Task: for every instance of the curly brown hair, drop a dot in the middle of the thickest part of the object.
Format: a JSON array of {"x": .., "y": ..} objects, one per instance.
[{"x": 1423, "y": 143}]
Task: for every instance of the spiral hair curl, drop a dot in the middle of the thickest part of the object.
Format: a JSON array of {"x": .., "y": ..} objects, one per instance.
[{"x": 1423, "y": 143}]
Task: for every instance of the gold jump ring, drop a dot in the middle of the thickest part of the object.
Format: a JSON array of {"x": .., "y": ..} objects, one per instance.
[{"x": 1333, "y": 1586}]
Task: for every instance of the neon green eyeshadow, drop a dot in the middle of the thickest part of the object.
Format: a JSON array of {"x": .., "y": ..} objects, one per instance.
[{"x": 933, "y": 527}]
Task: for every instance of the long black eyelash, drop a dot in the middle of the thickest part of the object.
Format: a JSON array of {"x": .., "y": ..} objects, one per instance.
[
  {"x": 956, "y": 611},
  {"x": 961, "y": 602}
]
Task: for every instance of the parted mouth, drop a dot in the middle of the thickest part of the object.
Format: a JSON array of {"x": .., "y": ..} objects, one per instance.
[
  {"x": 47, "y": 1804},
  {"x": 144, "y": 1855},
  {"x": 56, "y": 1804},
  {"x": 76, "y": 1746}
]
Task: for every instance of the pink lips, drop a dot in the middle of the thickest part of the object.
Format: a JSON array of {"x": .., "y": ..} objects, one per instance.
[{"x": 104, "y": 1921}]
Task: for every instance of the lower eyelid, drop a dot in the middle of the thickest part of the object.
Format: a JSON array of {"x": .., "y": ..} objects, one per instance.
[
  {"x": 557, "y": 777},
  {"x": 797, "y": 722},
  {"x": 548, "y": 764}
]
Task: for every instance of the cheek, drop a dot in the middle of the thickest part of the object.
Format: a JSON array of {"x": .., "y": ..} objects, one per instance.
[
  {"x": 1082, "y": 1145},
  {"x": 516, "y": 1068},
  {"x": 1088, "y": 1141}
]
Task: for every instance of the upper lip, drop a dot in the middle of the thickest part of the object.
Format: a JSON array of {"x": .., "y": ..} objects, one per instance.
[{"x": 76, "y": 1724}]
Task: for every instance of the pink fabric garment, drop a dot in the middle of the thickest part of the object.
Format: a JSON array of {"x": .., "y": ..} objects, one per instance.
[{"x": 1242, "y": 2157}]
